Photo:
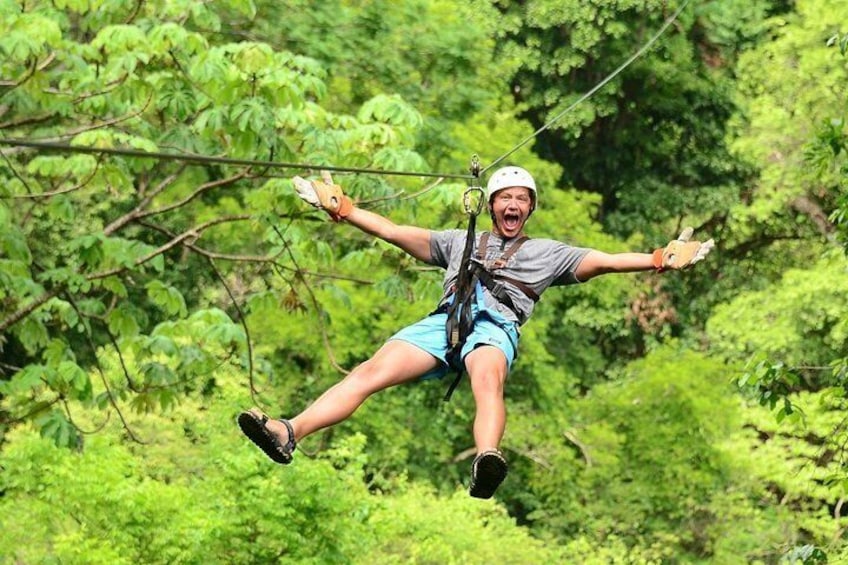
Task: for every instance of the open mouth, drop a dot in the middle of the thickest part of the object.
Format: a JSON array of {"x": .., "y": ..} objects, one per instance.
[{"x": 511, "y": 221}]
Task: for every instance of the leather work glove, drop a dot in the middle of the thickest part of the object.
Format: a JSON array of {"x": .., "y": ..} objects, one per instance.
[
  {"x": 681, "y": 253},
  {"x": 324, "y": 194}
]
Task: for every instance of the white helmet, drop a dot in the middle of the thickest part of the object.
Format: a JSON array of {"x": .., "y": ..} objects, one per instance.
[{"x": 508, "y": 177}]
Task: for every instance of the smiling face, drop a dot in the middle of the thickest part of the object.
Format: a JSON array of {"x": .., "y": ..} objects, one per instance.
[{"x": 510, "y": 209}]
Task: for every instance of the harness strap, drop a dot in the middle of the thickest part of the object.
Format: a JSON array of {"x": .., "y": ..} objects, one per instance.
[
  {"x": 459, "y": 317},
  {"x": 495, "y": 285},
  {"x": 501, "y": 261},
  {"x": 462, "y": 329},
  {"x": 493, "y": 281}
]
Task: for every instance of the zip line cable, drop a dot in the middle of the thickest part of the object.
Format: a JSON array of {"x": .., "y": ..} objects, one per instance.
[
  {"x": 597, "y": 87},
  {"x": 204, "y": 159}
]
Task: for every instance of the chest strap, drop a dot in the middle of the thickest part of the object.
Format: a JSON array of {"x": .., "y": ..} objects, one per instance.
[{"x": 495, "y": 282}]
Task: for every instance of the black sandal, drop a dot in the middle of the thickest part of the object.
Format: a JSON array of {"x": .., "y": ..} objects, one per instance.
[
  {"x": 252, "y": 424},
  {"x": 487, "y": 473}
]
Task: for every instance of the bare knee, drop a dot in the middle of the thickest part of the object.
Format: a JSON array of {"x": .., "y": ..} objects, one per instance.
[
  {"x": 488, "y": 382},
  {"x": 358, "y": 377},
  {"x": 487, "y": 370},
  {"x": 369, "y": 377}
]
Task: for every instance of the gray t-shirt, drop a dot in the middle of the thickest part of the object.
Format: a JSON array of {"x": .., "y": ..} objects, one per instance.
[{"x": 538, "y": 263}]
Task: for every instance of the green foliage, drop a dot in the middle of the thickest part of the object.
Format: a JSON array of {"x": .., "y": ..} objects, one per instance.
[
  {"x": 651, "y": 141},
  {"x": 791, "y": 335},
  {"x": 799, "y": 462},
  {"x": 142, "y": 300},
  {"x": 445, "y": 67},
  {"x": 100, "y": 250},
  {"x": 197, "y": 491},
  {"x": 806, "y": 555},
  {"x": 213, "y": 508},
  {"x": 770, "y": 384},
  {"x": 799, "y": 319},
  {"x": 827, "y": 155},
  {"x": 412, "y": 530},
  {"x": 651, "y": 443},
  {"x": 787, "y": 128}
]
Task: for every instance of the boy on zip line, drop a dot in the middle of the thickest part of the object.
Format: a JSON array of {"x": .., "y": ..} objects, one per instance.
[{"x": 503, "y": 279}]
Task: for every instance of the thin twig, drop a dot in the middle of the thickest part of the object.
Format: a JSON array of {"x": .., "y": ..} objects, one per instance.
[
  {"x": 243, "y": 320},
  {"x": 400, "y": 195},
  {"x": 135, "y": 12},
  {"x": 64, "y": 190},
  {"x": 112, "y": 400},
  {"x": 315, "y": 304},
  {"x": 15, "y": 172},
  {"x": 97, "y": 429},
  {"x": 34, "y": 68},
  {"x": 114, "y": 341}
]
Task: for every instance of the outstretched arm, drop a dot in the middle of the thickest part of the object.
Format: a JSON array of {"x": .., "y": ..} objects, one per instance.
[
  {"x": 413, "y": 240},
  {"x": 599, "y": 263},
  {"x": 330, "y": 197},
  {"x": 678, "y": 254}
]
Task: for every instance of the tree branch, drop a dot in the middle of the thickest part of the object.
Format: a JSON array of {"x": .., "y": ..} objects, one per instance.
[
  {"x": 579, "y": 445},
  {"x": 29, "y": 120},
  {"x": 200, "y": 190},
  {"x": 136, "y": 212},
  {"x": 190, "y": 234},
  {"x": 85, "y": 96},
  {"x": 71, "y": 133},
  {"x": 746, "y": 247},
  {"x": 38, "y": 408},
  {"x": 256, "y": 258},
  {"x": 22, "y": 313},
  {"x": 64, "y": 190},
  {"x": 810, "y": 208}
]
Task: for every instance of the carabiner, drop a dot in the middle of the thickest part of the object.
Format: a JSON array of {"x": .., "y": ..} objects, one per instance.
[
  {"x": 475, "y": 187},
  {"x": 466, "y": 200}
]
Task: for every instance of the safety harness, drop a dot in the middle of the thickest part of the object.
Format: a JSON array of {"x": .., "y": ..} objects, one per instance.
[
  {"x": 494, "y": 281},
  {"x": 460, "y": 315}
]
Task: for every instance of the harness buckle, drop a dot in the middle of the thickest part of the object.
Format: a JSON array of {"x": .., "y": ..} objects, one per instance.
[{"x": 498, "y": 290}]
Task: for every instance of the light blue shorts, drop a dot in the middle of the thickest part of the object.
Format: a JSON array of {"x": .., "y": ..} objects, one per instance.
[{"x": 490, "y": 328}]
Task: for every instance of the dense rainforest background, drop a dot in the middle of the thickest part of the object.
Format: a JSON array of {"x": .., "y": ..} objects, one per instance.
[{"x": 684, "y": 417}]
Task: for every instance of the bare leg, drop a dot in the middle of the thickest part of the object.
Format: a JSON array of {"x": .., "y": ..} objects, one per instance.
[
  {"x": 395, "y": 363},
  {"x": 487, "y": 372}
]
